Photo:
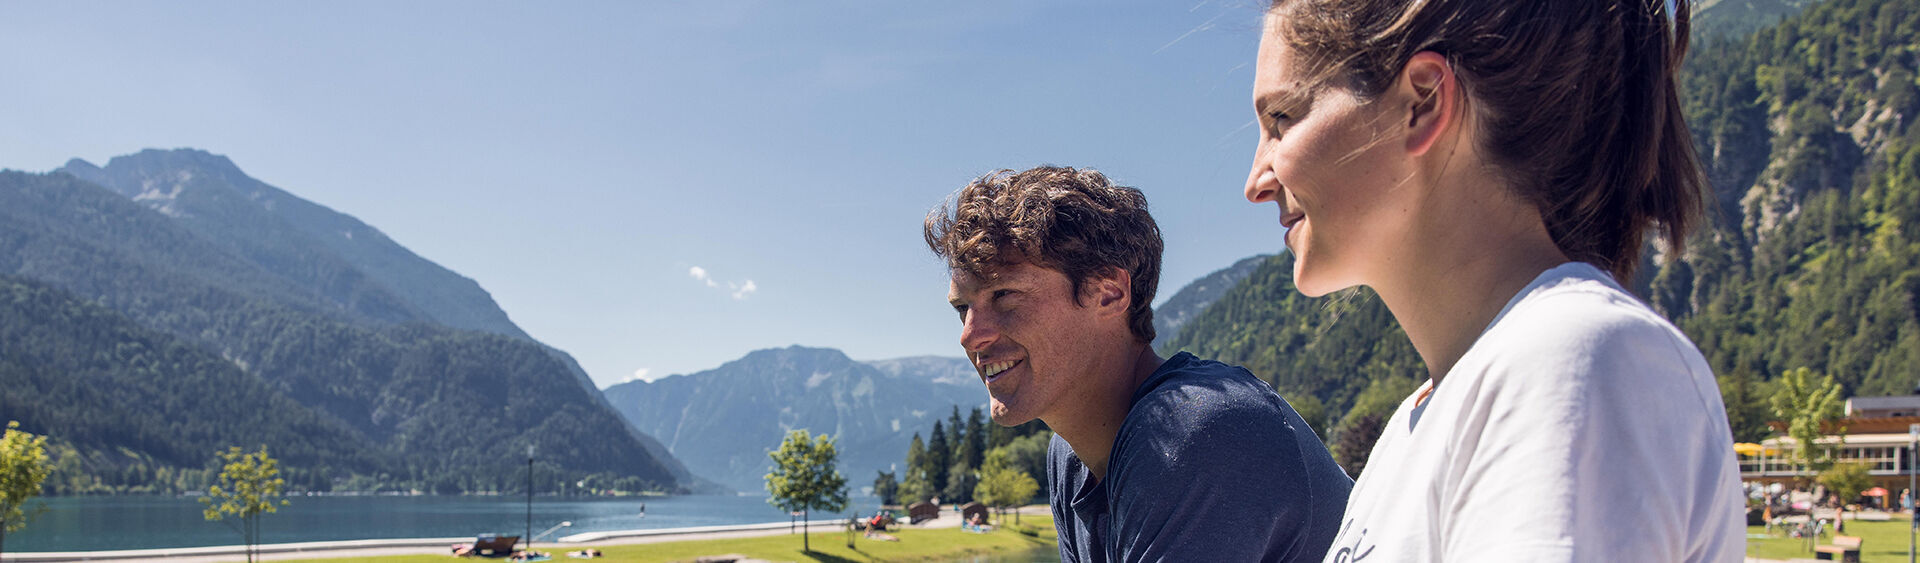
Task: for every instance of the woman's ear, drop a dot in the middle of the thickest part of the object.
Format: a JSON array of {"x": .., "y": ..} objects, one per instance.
[{"x": 1432, "y": 94}]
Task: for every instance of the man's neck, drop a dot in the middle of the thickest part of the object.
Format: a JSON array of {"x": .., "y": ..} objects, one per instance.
[{"x": 1091, "y": 427}]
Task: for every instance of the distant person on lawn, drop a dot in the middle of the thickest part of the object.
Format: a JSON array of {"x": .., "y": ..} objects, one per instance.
[{"x": 1053, "y": 275}]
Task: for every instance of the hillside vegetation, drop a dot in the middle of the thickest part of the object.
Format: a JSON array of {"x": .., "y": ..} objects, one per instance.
[
  {"x": 205, "y": 309},
  {"x": 1812, "y": 258}
]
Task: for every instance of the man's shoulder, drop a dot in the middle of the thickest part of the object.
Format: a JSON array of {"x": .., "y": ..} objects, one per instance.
[
  {"x": 1201, "y": 390},
  {"x": 1205, "y": 408}
]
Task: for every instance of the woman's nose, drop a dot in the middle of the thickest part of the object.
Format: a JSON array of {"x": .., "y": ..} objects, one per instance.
[{"x": 1262, "y": 186}]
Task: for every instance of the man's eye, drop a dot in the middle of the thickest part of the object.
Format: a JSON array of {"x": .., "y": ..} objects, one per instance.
[
  {"x": 999, "y": 293},
  {"x": 962, "y": 311}
]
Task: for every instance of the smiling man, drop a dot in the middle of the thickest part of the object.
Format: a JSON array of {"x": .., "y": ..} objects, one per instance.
[{"x": 1053, "y": 274}]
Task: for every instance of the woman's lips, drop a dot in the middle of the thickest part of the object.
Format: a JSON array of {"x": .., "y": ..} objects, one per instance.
[{"x": 1288, "y": 221}]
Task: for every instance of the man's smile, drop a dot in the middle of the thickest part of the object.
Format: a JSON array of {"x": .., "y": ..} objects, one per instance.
[{"x": 992, "y": 371}]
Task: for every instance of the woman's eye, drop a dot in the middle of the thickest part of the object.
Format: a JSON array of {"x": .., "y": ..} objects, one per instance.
[{"x": 1277, "y": 121}]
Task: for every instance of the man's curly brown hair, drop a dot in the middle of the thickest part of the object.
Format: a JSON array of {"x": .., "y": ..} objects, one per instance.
[{"x": 1072, "y": 220}]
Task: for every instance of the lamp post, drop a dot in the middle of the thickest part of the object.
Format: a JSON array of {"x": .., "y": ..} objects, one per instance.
[
  {"x": 1913, "y": 459},
  {"x": 529, "y": 498}
]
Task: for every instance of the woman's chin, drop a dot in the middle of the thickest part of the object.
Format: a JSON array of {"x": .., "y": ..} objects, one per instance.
[{"x": 1311, "y": 285}]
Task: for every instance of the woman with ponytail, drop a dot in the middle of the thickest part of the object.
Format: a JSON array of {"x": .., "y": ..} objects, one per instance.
[{"x": 1491, "y": 169}]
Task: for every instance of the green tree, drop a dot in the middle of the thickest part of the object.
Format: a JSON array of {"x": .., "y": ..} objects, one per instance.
[
  {"x": 960, "y": 482},
  {"x": 23, "y": 465},
  {"x": 1355, "y": 442},
  {"x": 248, "y": 485},
  {"x": 1002, "y": 484},
  {"x": 1808, "y": 406},
  {"x": 804, "y": 477},
  {"x": 1312, "y": 410},
  {"x": 938, "y": 458},
  {"x": 1845, "y": 481},
  {"x": 915, "y": 487},
  {"x": 1353, "y": 438},
  {"x": 1028, "y": 454},
  {"x": 976, "y": 443},
  {"x": 886, "y": 486}
]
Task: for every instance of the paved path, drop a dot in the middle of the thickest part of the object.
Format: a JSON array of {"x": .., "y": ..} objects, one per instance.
[{"x": 439, "y": 546}]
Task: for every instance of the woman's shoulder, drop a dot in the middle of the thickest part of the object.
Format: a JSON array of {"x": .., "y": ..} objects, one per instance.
[
  {"x": 1576, "y": 309},
  {"x": 1576, "y": 331}
]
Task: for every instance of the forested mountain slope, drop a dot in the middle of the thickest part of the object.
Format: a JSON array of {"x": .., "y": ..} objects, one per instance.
[
  {"x": 333, "y": 254},
  {"x": 1809, "y": 134},
  {"x": 137, "y": 409},
  {"x": 1812, "y": 259},
  {"x": 446, "y": 408}
]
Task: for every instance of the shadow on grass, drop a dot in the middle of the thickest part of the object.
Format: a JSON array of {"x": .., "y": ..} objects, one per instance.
[{"x": 828, "y": 557}]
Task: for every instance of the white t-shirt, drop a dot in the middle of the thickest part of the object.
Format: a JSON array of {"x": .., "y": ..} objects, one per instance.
[{"x": 1581, "y": 426}]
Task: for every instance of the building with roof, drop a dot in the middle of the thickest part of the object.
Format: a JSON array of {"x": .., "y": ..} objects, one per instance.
[{"x": 1875, "y": 431}]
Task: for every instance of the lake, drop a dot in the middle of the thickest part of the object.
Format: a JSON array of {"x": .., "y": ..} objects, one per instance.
[{"x": 143, "y": 522}]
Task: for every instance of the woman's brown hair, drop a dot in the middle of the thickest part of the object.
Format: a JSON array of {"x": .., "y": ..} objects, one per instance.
[{"x": 1576, "y": 101}]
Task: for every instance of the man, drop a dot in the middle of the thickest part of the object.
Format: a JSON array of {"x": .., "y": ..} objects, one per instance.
[{"x": 1053, "y": 275}]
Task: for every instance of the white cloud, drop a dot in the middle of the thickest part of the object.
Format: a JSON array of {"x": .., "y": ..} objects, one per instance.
[
  {"x": 739, "y": 290},
  {"x": 700, "y": 273},
  {"x": 644, "y": 373},
  {"x": 742, "y": 291}
]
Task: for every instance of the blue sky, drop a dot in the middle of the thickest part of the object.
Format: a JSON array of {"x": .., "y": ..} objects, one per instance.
[{"x": 582, "y": 159}]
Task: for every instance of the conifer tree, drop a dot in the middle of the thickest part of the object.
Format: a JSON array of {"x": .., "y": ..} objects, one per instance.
[
  {"x": 936, "y": 463},
  {"x": 914, "y": 487},
  {"x": 976, "y": 440}
]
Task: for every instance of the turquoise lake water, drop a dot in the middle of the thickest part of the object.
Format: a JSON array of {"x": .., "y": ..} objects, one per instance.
[{"x": 104, "y": 523}]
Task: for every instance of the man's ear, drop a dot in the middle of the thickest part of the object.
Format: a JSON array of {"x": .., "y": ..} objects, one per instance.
[
  {"x": 1433, "y": 97},
  {"x": 1110, "y": 289}
]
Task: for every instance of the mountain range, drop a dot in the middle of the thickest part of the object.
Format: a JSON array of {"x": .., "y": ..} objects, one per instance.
[
  {"x": 432, "y": 382},
  {"x": 722, "y": 422},
  {"x": 205, "y": 308}
]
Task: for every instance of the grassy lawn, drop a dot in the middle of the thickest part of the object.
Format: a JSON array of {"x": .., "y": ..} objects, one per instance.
[
  {"x": 1879, "y": 541},
  {"x": 915, "y": 545}
]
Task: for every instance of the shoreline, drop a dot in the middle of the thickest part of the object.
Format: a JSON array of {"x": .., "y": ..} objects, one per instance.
[{"x": 440, "y": 546}]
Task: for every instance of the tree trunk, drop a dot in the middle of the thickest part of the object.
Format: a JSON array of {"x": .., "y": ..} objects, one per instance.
[
  {"x": 253, "y": 538},
  {"x": 804, "y": 546}
]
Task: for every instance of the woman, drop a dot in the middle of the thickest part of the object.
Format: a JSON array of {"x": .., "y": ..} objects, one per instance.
[{"x": 1489, "y": 168}]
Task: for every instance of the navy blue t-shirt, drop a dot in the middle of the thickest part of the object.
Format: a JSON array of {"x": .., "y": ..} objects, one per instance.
[{"x": 1210, "y": 464}]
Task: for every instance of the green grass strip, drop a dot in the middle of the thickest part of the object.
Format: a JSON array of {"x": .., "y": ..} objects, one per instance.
[{"x": 938, "y": 544}]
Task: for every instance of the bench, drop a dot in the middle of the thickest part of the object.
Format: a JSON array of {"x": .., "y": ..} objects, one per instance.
[{"x": 1846, "y": 547}]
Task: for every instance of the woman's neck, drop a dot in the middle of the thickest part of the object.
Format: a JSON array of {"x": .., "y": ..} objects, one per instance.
[{"x": 1475, "y": 249}]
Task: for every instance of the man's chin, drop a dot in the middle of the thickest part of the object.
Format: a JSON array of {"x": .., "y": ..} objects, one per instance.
[{"x": 1006, "y": 416}]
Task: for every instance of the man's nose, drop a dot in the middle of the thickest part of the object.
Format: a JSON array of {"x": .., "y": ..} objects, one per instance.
[{"x": 978, "y": 331}]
